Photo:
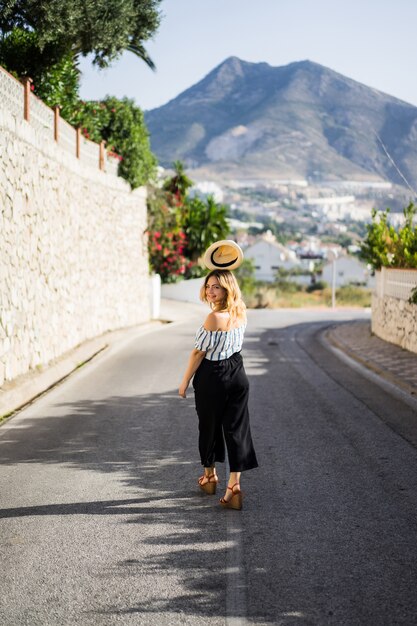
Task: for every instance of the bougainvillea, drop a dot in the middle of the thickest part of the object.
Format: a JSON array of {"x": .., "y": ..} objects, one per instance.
[{"x": 166, "y": 254}]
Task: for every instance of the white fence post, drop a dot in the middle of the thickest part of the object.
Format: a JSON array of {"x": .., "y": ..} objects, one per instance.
[{"x": 155, "y": 296}]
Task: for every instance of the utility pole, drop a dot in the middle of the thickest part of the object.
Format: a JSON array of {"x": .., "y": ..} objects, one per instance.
[{"x": 332, "y": 257}]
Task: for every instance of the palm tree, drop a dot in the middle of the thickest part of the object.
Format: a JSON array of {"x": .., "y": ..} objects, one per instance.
[
  {"x": 178, "y": 184},
  {"x": 205, "y": 223}
]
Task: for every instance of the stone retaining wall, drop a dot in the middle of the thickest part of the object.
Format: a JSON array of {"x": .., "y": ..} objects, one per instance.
[
  {"x": 73, "y": 257},
  {"x": 395, "y": 320}
]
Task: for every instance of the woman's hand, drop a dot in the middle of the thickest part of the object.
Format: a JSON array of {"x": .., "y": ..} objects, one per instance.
[{"x": 182, "y": 391}]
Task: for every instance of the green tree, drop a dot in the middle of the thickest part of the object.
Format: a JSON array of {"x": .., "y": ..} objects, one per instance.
[
  {"x": 58, "y": 83},
  {"x": 104, "y": 28},
  {"x": 204, "y": 223},
  {"x": 178, "y": 184},
  {"x": 181, "y": 227}
]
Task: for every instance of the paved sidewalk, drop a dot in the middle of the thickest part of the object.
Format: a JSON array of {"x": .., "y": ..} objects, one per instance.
[{"x": 385, "y": 359}]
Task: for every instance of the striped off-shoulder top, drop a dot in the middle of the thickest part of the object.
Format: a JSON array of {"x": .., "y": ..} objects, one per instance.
[{"x": 219, "y": 344}]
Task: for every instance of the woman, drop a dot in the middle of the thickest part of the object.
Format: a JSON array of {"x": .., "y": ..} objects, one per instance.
[{"x": 221, "y": 386}]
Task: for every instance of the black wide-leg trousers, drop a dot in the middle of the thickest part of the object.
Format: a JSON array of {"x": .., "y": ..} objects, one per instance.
[{"x": 221, "y": 399}]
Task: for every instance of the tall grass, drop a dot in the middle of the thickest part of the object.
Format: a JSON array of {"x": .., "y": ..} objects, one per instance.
[{"x": 280, "y": 295}]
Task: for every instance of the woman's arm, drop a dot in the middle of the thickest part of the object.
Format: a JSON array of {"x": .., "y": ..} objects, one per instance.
[{"x": 194, "y": 362}]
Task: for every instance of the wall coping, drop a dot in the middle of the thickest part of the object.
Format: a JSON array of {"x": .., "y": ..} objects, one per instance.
[{"x": 48, "y": 147}]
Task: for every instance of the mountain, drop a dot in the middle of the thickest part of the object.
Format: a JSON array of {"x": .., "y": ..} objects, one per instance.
[{"x": 303, "y": 120}]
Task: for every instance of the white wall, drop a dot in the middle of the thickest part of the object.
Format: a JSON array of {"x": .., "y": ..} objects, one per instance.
[
  {"x": 395, "y": 320},
  {"x": 348, "y": 270},
  {"x": 184, "y": 290},
  {"x": 73, "y": 255},
  {"x": 267, "y": 258}
]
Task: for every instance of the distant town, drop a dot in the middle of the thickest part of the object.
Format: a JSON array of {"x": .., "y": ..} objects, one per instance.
[{"x": 295, "y": 226}]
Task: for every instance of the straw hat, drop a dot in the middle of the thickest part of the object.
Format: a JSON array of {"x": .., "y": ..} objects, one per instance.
[{"x": 223, "y": 255}]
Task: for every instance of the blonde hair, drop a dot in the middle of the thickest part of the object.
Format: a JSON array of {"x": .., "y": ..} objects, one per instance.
[{"x": 232, "y": 301}]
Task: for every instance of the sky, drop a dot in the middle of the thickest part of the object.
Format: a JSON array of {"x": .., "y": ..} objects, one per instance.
[{"x": 371, "y": 41}]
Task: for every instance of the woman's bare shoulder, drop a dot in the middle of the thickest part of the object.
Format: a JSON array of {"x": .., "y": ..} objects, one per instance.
[{"x": 215, "y": 321}]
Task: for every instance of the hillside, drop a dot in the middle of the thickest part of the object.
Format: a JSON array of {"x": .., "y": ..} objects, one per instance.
[{"x": 250, "y": 120}]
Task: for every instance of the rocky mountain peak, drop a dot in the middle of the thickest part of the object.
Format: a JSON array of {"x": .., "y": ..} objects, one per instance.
[{"x": 299, "y": 120}]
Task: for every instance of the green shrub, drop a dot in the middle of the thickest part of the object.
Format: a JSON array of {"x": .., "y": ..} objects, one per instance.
[
  {"x": 318, "y": 285},
  {"x": 121, "y": 125},
  {"x": 286, "y": 286},
  {"x": 181, "y": 228},
  {"x": 384, "y": 246},
  {"x": 204, "y": 222},
  {"x": 353, "y": 296}
]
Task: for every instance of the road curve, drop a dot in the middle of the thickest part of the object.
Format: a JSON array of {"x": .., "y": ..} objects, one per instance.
[{"x": 102, "y": 523}]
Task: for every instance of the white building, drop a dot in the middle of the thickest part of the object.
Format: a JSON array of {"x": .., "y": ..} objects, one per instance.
[
  {"x": 268, "y": 256},
  {"x": 348, "y": 270},
  {"x": 336, "y": 208},
  {"x": 207, "y": 188}
]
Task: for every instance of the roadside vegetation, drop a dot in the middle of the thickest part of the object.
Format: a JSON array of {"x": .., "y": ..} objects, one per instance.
[
  {"x": 387, "y": 246},
  {"x": 271, "y": 296},
  {"x": 181, "y": 227},
  {"x": 284, "y": 292},
  {"x": 44, "y": 40}
]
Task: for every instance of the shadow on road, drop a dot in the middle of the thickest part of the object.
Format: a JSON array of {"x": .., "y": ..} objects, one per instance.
[
  {"x": 321, "y": 539},
  {"x": 147, "y": 444}
]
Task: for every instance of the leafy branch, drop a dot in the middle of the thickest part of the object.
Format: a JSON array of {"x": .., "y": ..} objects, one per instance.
[{"x": 386, "y": 246}]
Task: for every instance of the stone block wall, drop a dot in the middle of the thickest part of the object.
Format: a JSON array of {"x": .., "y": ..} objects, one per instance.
[
  {"x": 395, "y": 320},
  {"x": 73, "y": 254}
]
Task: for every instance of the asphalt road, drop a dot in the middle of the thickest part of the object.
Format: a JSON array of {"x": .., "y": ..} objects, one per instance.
[{"x": 101, "y": 521}]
